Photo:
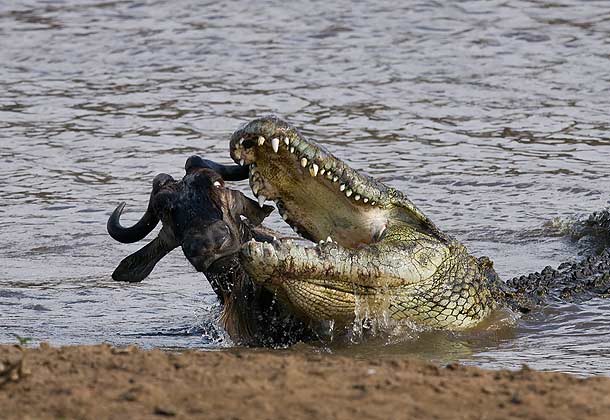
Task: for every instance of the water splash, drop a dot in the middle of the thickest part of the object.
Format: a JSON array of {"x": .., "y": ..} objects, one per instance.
[{"x": 372, "y": 315}]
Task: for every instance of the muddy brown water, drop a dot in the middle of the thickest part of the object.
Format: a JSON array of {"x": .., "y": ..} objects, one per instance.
[{"x": 493, "y": 117}]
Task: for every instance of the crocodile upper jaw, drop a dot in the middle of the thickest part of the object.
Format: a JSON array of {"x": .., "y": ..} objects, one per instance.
[{"x": 316, "y": 194}]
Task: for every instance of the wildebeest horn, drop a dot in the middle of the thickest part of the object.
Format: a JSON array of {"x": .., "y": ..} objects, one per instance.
[
  {"x": 134, "y": 233},
  {"x": 227, "y": 172},
  {"x": 145, "y": 225}
]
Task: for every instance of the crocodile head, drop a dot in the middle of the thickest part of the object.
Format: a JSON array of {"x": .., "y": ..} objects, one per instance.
[
  {"x": 374, "y": 247},
  {"x": 317, "y": 194}
]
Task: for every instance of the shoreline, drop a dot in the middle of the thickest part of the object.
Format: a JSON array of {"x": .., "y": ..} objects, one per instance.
[{"x": 101, "y": 381}]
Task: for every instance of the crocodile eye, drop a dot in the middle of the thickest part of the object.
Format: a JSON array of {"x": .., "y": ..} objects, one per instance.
[
  {"x": 380, "y": 234},
  {"x": 217, "y": 184}
]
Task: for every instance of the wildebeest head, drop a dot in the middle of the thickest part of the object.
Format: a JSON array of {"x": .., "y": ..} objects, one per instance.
[
  {"x": 210, "y": 223},
  {"x": 198, "y": 213}
]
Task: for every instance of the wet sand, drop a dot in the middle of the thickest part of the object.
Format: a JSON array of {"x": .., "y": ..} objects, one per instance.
[{"x": 106, "y": 382}]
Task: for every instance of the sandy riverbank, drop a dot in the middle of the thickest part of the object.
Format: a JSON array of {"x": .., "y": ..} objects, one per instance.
[{"x": 96, "y": 382}]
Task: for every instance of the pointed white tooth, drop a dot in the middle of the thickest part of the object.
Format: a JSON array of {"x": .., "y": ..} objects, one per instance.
[
  {"x": 255, "y": 189},
  {"x": 285, "y": 216},
  {"x": 274, "y": 238},
  {"x": 275, "y": 144},
  {"x": 322, "y": 242},
  {"x": 241, "y": 162},
  {"x": 348, "y": 192},
  {"x": 322, "y": 171},
  {"x": 241, "y": 141},
  {"x": 261, "y": 140},
  {"x": 286, "y": 141},
  {"x": 304, "y": 162},
  {"x": 342, "y": 187},
  {"x": 292, "y": 150},
  {"x": 261, "y": 200},
  {"x": 313, "y": 169},
  {"x": 366, "y": 200},
  {"x": 329, "y": 175},
  {"x": 329, "y": 239},
  {"x": 335, "y": 178},
  {"x": 357, "y": 197},
  {"x": 373, "y": 203}
]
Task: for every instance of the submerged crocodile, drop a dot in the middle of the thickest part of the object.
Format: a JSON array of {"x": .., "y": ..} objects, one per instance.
[{"x": 375, "y": 249}]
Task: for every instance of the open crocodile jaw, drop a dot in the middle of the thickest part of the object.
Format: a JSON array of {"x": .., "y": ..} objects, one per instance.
[
  {"x": 384, "y": 250},
  {"x": 316, "y": 194}
]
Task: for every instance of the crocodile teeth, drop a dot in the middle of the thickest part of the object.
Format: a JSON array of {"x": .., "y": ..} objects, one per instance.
[
  {"x": 292, "y": 150},
  {"x": 322, "y": 242},
  {"x": 373, "y": 203},
  {"x": 313, "y": 169},
  {"x": 285, "y": 216},
  {"x": 242, "y": 161},
  {"x": 255, "y": 189},
  {"x": 335, "y": 178},
  {"x": 275, "y": 144},
  {"x": 261, "y": 140},
  {"x": 342, "y": 187},
  {"x": 357, "y": 197},
  {"x": 304, "y": 162},
  {"x": 329, "y": 239},
  {"x": 287, "y": 141},
  {"x": 322, "y": 171},
  {"x": 366, "y": 200},
  {"x": 261, "y": 200},
  {"x": 241, "y": 141},
  {"x": 348, "y": 192},
  {"x": 329, "y": 175}
]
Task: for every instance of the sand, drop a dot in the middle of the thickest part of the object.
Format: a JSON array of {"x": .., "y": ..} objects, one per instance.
[{"x": 98, "y": 382}]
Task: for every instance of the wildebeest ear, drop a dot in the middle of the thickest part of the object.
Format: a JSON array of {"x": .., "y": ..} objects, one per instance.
[
  {"x": 227, "y": 172},
  {"x": 243, "y": 206},
  {"x": 137, "y": 266}
]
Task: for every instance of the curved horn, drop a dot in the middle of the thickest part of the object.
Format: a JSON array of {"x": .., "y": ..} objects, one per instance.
[
  {"x": 134, "y": 233},
  {"x": 227, "y": 172},
  {"x": 145, "y": 225}
]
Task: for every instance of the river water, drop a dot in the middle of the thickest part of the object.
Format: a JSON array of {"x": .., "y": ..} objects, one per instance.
[{"x": 492, "y": 116}]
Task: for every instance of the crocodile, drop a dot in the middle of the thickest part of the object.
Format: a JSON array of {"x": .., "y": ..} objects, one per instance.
[
  {"x": 375, "y": 251},
  {"x": 220, "y": 233},
  {"x": 210, "y": 223}
]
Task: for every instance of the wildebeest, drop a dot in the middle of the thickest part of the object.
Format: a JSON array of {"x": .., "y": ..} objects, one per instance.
[{"x": 210, "y": 222}]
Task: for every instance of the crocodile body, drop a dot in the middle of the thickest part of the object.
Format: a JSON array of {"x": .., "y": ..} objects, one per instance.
[
  {"x": 375, "y": 249},
  {"x": 376, "y": 256}
]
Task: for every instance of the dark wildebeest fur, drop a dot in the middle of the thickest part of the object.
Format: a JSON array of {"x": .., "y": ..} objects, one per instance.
[{"x": 210, "y": 222}]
